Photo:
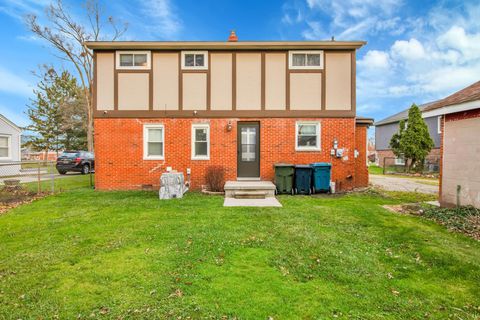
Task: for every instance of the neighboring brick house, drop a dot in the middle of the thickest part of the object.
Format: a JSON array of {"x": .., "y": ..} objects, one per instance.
[
  {"x": 243, "y": 106},
  {"x": 460, "y": 146},
  {"x": 386, "y": 128}
]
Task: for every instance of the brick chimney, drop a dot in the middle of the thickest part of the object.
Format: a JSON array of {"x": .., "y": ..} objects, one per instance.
[{"x": 232, "y": 37}]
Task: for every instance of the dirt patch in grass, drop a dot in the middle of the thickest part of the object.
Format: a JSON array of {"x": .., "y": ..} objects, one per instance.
[
  {"x": 465, "y": 220},
  {"x": 14, "y": 197}
]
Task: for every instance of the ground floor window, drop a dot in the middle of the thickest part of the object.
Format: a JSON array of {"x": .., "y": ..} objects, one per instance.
[
  {"x": 399, "y": 161},
  {"x": 4, "y": 147},
  {"x": 200, "y": 141},
  {"x": 307, "y": 136},
  {"x": 153, "y": 141}
]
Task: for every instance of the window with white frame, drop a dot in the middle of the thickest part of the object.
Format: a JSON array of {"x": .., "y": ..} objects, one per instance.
[
  {"x": 195, "y": 60},
  {"x": 132, "y": 60},
  {"x": 305, "y": 59},
  {"x": 307, "y": 136},
  {"x": 200, "y": 141},
  {"x": 439, "y": 124},
  {"x": 153, "y": 142},
  {"x": 399, "y": 161},
  {"x": 4, "y": 147}
]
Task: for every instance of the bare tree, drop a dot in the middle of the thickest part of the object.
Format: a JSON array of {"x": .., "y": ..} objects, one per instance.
[{"x": 68, "y": 37}]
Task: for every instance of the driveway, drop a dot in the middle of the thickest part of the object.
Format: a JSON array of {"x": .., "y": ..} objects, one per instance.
[
  {"x": 33, "y": 177},
  {"x": 394, "y": 183}
]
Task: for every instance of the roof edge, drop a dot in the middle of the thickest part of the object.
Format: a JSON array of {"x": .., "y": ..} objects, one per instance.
[
  {"x": 11, "y": 123},
  {"x": 241, "y": 45},
  {"x": 364, "y": 121}
]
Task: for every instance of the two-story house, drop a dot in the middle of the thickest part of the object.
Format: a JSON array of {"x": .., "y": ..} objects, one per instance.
[
  {"x": 386, "y": 128},
  {"x": 241, "y": 105}
]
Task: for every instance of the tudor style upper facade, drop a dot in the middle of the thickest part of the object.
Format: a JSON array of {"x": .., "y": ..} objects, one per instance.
[{"x": 224, "y": 79}]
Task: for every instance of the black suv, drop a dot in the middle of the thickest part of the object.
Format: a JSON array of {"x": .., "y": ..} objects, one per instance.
[{"x": 78, "y": 161}]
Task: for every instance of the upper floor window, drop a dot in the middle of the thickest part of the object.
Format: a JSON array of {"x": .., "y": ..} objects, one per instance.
[
  {"x": 305, "y": 59},
  {"x": 4, "y": 147},
  {"x": 307, "y": 136},
  {"x": 133, "y": 60},
  {"x": 195, "y": 60}
]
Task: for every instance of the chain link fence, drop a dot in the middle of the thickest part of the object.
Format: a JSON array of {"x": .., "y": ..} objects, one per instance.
[
  {"x": 392, "y": 165},
  {"x": 25, "y": 180}
]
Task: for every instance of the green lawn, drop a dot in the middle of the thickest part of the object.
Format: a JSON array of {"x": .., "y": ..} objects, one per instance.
[
  {"x": 373, "y": 169},
  {"x": 126, "y": 255}
]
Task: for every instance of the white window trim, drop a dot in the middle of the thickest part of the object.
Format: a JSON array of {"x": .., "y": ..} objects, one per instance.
[
  {"x": 205, "y": 59},
  {"x": 319, "y": 140},
  {"x": 200, "y": 126},
  {"x": 290, "y": 60},
  {"x": 439, "y": 124},
  {"x": 399, "y": 161},
  {"x": 145, "y": 141},
  {"x": 9, "y": 146},
  {"x": 119, "y": 67}
]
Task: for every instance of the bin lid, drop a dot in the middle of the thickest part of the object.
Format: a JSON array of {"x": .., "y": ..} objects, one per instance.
[
  {"x": 321, "y": 164},
  {"x": 283, "y": 165},
  {"x": 303, "y": 166}
]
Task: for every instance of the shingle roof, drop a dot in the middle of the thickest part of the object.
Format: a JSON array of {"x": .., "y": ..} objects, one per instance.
[
  {"x": 470, "y": 93},
  {"x": 402, "y": 115}
]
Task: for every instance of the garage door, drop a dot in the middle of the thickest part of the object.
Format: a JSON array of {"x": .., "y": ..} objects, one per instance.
[{"x": 461, "y": 162}]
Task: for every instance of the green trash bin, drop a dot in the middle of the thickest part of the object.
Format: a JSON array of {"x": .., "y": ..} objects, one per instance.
[
  {"x": 321, "y": 176},
  {"x": 284, "y": 173},
  {"x": 303, "y": 179}
]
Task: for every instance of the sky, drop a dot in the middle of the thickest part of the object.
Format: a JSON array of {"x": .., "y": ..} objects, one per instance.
[{"x": 417, "y": 51}]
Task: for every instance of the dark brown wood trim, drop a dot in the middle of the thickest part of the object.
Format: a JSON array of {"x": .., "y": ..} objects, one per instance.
[
  {"x": 134, "y": 71},
  {"x": 94, "y": 86},
  {"x": 262, "y": 85},
  {"x": 201, "y": 114},
  {"x": 150, "y": 84},
  {"x": 180, "y": 82},
  {"x": 324, "y": 83},
  {"x": 195, "y": 71},
  {"x": 115, "y": 83},
  {"x": 305, "y": 70},
  {"x": 352, "y": 70},
  {"x": 234, "y": 81},
  {"x": 209, "y": 82},
  {"x": 287, "y": 82},
  {"x": 354, "y": 84}
]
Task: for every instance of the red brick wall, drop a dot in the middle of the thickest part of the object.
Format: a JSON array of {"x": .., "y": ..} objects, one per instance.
[
  {"x": 119, "y": 150},
  {"x": 381, "y": 154},
  {"x": 361, "y": 170}
]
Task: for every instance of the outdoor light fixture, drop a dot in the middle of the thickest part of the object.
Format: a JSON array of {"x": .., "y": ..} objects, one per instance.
[
  {"x": 335, "y": 144},
  {"x": 229, "y": 126},
  {"x": 195, "y": 112}
]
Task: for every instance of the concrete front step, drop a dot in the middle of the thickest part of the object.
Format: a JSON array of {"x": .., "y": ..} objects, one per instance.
[{"x": 249, "y": 189}]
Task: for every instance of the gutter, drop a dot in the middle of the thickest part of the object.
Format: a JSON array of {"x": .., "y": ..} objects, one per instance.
[{"x": 221, "y": 45}]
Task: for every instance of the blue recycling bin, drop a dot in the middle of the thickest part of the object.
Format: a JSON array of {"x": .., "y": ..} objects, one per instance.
[
  {"x": 303, "y": 179},
  {"x": 321, "y": 176}
]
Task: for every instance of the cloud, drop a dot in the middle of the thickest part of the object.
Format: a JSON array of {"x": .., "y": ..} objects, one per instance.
[
  {"x": 163, "y": 19},
  {"x": 351, "y": 19},
  {"x": 408, "y": 50},
  {"x": 11, "y": 83},
  {"x": 19, "y": 8},
  {"x": 433, "y": 67},
  {"x": 375, "y": 59}
]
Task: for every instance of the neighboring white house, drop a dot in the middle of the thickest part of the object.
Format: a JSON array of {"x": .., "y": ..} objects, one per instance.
[{"x": 10, "y": 145}]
